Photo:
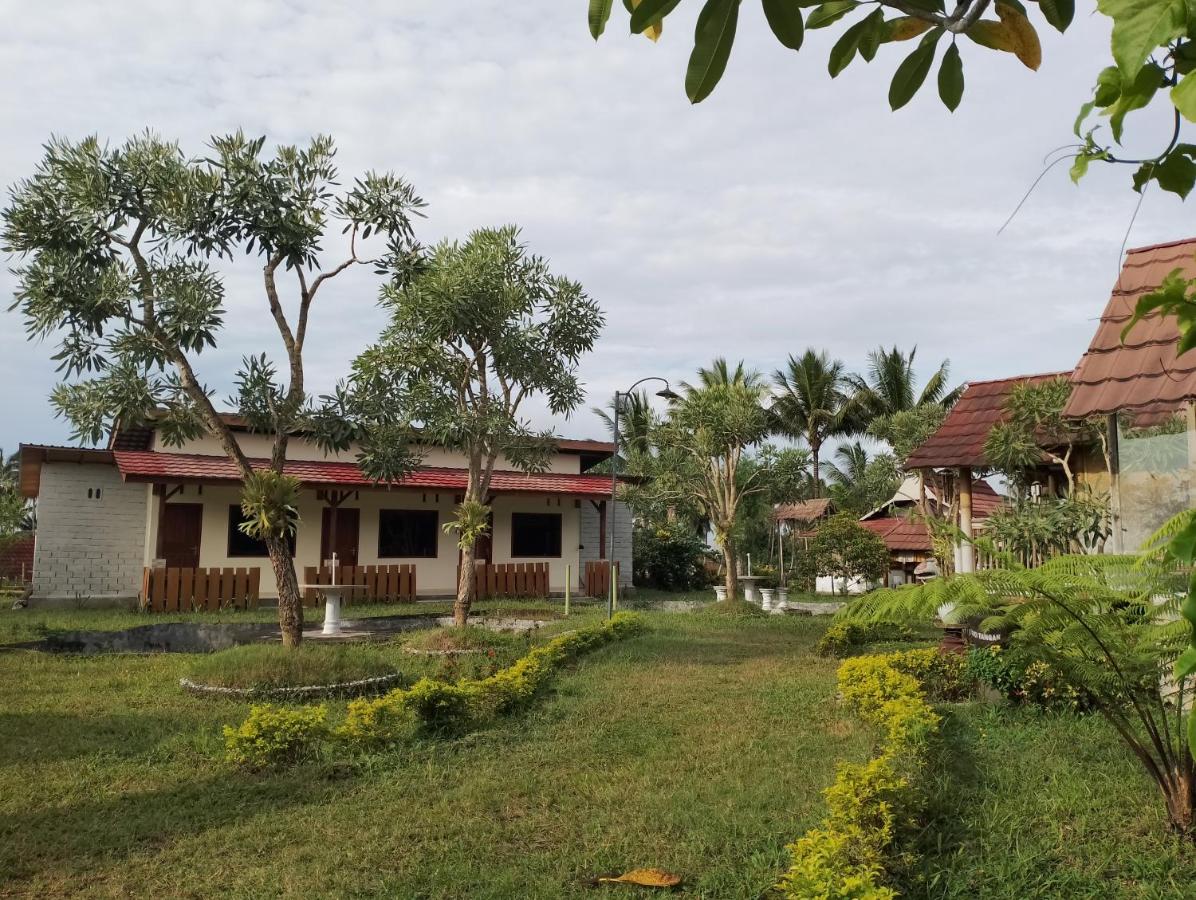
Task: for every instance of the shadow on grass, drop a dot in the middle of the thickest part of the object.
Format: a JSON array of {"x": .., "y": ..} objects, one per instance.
[
  {"x": 57, "y": 840},
  {"x": 48, "y": 736},
  {"x": 955, "y": 783}
]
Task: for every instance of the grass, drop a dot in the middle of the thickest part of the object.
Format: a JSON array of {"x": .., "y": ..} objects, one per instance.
[
  {"x": 1030, "y": 804},
  {"x": 472, "y": 637},
  {"x": 24, "y": 625},
  {"x": 272, "y": 666},
  {"x": 112, "y": 784}
]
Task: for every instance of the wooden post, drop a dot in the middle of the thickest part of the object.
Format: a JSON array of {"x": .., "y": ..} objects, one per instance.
[
  {"x": 602, "y": 529},
  {"x": 967, "y": 551},
  {"x": 568, "y": 583}
]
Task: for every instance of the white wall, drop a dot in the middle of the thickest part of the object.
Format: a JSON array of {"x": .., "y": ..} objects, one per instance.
[
  {"x": 90, "y": 547},
  {"x": 433, "y": 576},
  {"x": 260, "y": 445}
]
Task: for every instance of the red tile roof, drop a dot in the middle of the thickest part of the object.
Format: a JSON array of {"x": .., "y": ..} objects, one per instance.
[
  {"x": 960, "y": 439},
  {"x": 1143, "y": 373},
  {"x": 901, "y": 535},
  {"x": 806, "y": 511},
  {"x": 148, "y": 465}
]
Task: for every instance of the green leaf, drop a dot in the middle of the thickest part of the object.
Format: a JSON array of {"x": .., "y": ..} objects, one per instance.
[
  {"x": 599, "y": 14},
  {"x": 913, "y": 70},
  {"x": 1142, "y": 26},
  {"x": 1079, "y": 168},
  {"x": 713, "y": 38},
  {"x": 1167, "y": 298},
  {"x": 951, "y": 78},
  {"x": 1108, "y": 87},
  {"x": 829, "y": 13},
  {"x": 843, "y": 52},
  {"x": 1058, "y": 13},
  {"x": 1183, "y": 95},
  {"x": 649, "y": 12},
  {"x": 784, "y": 18},
  {"x": 871, "y": 33},
  {"x": 1186, "y": 664},
  {"x": 1085, "y": 111},
  {"x": 990, "y": 34},
  {"x": 1175, "y": 173},
  {"x": 1135, "y": 95}
]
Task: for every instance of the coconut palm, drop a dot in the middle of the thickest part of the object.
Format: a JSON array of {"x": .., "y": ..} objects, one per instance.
[
  {"x": 812, "y": 404},
  {"x": 721, "y": 373},
  {"x": 636, "y": 421},
  {"x": 890, "y": 386},
  {"x": 859, "y": 482}
]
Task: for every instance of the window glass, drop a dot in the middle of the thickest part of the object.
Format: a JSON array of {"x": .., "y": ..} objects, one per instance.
[
  {"x": 408, "y": 533},
  {"x": 241, "y": 544},
  {"x": 536, "y": 534}
]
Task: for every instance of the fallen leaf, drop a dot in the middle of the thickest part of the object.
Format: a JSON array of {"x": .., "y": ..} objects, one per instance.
[{"x": 644, "y": 877}]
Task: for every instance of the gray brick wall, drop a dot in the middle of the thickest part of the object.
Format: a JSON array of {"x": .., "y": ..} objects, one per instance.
[
  {"x": 623, "y": 532},
  {"x": 88, "y": 546}
]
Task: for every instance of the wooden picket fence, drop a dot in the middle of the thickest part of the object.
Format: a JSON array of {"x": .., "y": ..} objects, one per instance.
[
  {"x": 597, "y": 577},
  {"x": 185, "y": 589},
  {"x": 512, "y": 579},
  {"x": 383, "y": 584}
]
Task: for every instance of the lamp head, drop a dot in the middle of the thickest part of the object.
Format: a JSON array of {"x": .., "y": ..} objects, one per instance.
[{"x": 668, "y": 394}]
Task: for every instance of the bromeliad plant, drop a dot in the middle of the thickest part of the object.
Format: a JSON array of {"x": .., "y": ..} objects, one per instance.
[{"x": 1109, "y": 626}]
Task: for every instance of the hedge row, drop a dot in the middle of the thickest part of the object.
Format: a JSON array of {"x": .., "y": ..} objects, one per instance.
[
  {"x": 869, "y": 805},
  {"x": 272, "y": 735}
]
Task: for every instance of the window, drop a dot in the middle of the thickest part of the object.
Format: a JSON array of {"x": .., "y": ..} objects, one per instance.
[
  {"x": 408, "y": 533},
  {"x": 241, "y": 544},
  {"x": 535, "y": 534}
]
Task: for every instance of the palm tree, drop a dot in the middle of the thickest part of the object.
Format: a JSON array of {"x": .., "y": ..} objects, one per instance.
[
  {"x": 890, "y": 386},
  {"x": 812, "y": 404},
  {"x": 860, "y": 483},
  {"x": 636, "y": 421},
  {"x": 10, "y": 468},
  {"x": 721, "y": 373}
]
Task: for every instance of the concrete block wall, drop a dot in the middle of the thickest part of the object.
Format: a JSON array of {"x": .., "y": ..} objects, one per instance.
[
  {"x": 91, "y": 533},
  {"x": 590, "y": 530}
]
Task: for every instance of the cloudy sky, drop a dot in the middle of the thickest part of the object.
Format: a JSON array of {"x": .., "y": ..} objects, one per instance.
[{"x": 786, "y": 211}]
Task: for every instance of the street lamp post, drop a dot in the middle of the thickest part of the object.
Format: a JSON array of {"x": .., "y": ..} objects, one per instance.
[{"x": 667, "y": 393}]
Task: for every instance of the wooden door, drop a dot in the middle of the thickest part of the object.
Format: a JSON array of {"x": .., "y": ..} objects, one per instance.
[
  {"x": 344, "y": 543},
  {"x": 181, "y": 528}
]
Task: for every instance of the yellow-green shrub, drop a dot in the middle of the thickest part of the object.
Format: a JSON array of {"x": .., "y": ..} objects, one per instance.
[
  {"x": 439, "y": 706},
  {"x": 274, "y": 735},
  {"x": 842, "y": 636},
  {"x": 869, "y": 805}
]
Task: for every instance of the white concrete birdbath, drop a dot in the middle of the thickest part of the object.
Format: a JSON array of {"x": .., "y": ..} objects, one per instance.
[
  {"x": 333, "y": 594},
  {"x": 750, "y": 592}
]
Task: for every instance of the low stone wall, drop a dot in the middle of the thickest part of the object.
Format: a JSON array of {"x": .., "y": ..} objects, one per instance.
[{"x": 359, "y": 688}]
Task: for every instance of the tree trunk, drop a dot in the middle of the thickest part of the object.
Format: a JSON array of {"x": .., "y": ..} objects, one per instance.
[
  {"x": 290, "y": 602},
  {"x": 732, "y": 571},
  {"x": 467, "y": 586},
  {"x": 814, "y": 467},
  {"x": 1181, "y": 810}
]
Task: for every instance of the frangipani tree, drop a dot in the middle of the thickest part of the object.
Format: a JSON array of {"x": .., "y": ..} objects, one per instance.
[
  {"x": 481, "y": 327},
  {"x": 700, "y": 451},
  {"x": 118, "y": 250}
]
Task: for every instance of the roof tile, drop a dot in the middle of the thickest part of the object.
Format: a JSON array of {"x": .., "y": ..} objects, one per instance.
[
  {"x": 149, "y": 465},
  {"x": 1142, "y": 374}
]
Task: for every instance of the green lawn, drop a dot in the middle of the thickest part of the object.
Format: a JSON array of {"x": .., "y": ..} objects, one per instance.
[
  {"x": 701, "y": 747},
  {"x": 1028, "y": 804}
]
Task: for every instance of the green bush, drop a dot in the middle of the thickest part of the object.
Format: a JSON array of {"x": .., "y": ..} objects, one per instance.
[
  {"x": 668, "y": 557},
  {"x": 437, "y": 706},
  {"x": 843, "y": 637},
  {"x": 870, "y": 806},
  {"x": 275, "y": 735},
  {"x": 943, "y": 676},
  {"x": 1024, "y": 680}
]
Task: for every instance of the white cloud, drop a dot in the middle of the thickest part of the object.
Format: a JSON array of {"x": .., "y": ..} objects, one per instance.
[{"x": 785, "y": 211}]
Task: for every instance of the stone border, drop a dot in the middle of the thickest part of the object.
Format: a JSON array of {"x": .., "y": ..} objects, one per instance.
[
  {"x": 303, "y": 692},
  {"x": 415, "y": 651}
]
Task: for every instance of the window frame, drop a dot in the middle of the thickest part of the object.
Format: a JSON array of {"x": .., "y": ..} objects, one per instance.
[
  {"x": 435, "y": 516},
  {"x": 560, "y": 535}
]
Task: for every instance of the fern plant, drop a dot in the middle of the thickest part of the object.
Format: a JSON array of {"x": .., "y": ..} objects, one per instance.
[{"x": 1113, "y": 627}]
